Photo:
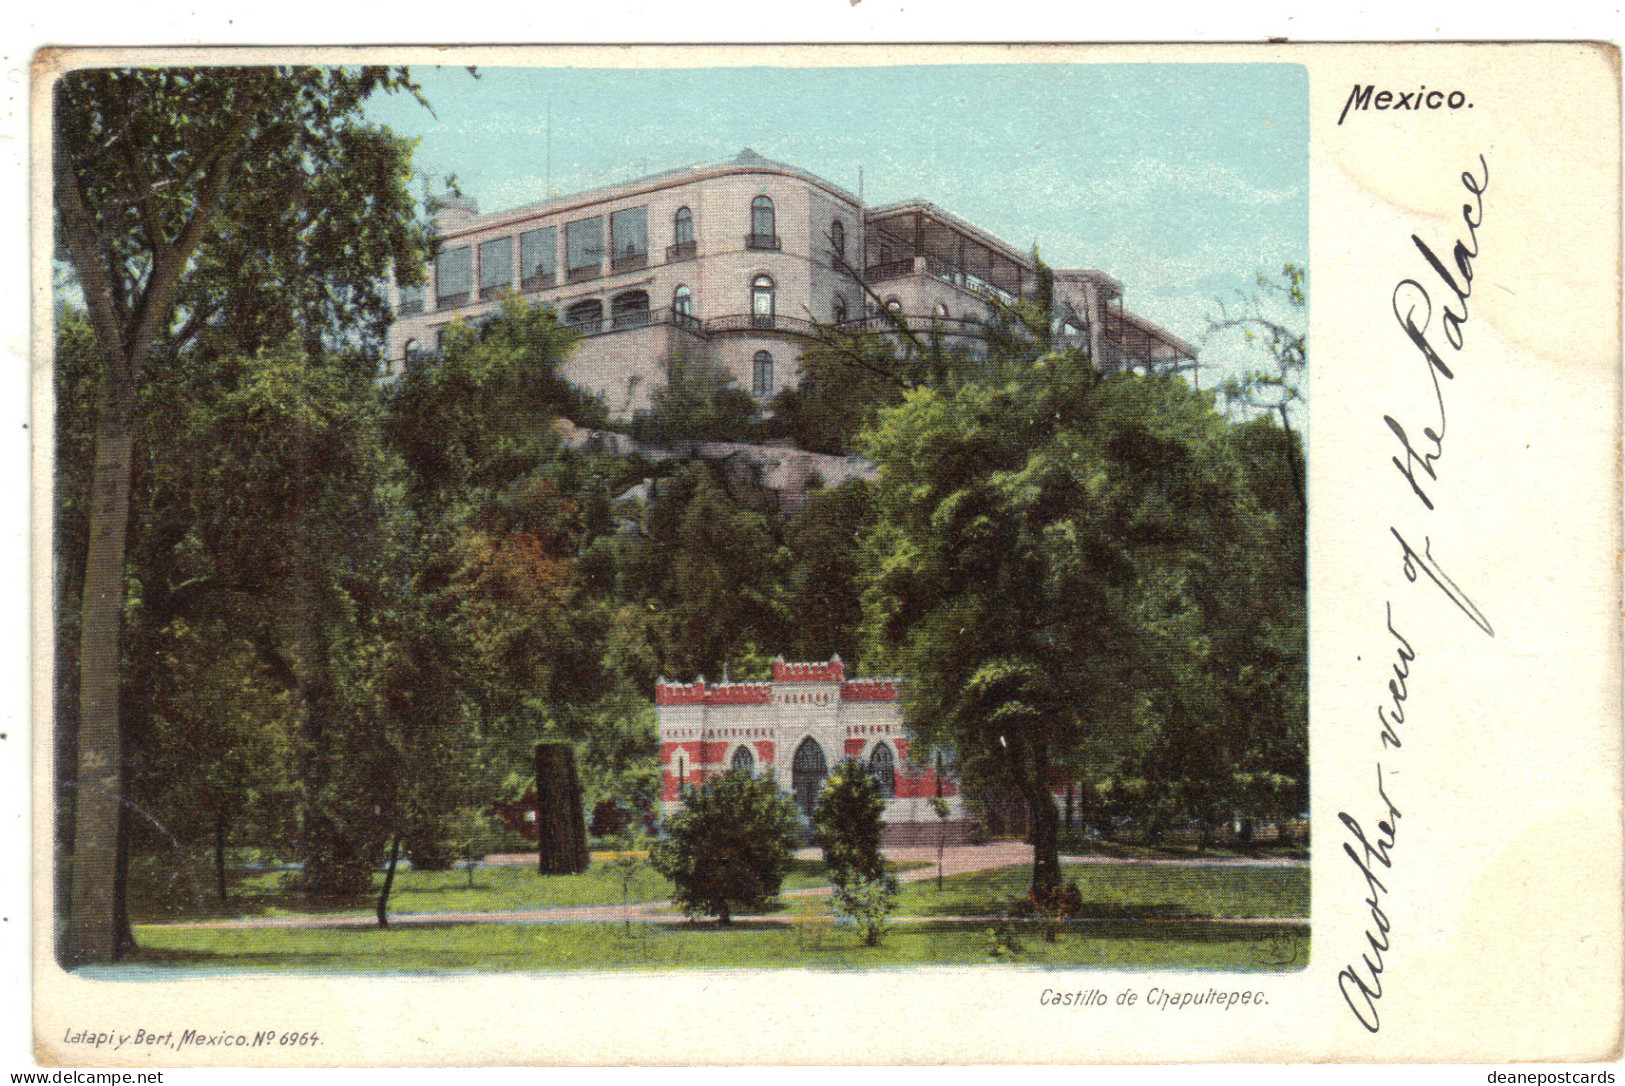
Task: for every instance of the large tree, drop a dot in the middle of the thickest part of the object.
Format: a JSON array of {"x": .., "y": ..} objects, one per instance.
[
  {"x": 183, "y": 197},
  {"x": 1051, "y": 543}
]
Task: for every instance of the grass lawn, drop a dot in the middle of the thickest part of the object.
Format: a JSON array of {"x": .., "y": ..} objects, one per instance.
[
  {"x": 505, "y": 887},
  {"x": 155, "y": 899},
  {"x": 1133, "y": 850},
  {"x": 1126, "y": 891},
  {"x": 1135, "y": 916},
  {"x": 1127, "y": 944}
]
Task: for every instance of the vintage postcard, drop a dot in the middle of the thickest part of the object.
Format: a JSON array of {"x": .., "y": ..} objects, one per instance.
[{"x": 1114, "y": 550}]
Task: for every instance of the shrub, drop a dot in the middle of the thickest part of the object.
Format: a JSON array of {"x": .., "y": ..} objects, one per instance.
[
  {"x": 430, "y": 852},
  {"x": 608, "y": 819},
  {"x": 729, "y": 847},
  {"x": 471, "y": 837},
  {"x": 1054, "y": 906},
  {"x": 864, "y": 904},
  {"x": 847, "y": 825},
  {"x": 1004, "y": 940}
]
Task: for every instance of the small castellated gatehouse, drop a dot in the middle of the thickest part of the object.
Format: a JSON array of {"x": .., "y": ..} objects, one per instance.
[{"x": 796, "y": 728}]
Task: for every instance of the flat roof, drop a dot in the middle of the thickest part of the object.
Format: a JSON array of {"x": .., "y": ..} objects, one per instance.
[{"x": 747, "y": 161}]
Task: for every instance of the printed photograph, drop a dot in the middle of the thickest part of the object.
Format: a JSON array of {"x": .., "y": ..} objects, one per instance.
[{"x": 584, "y": 519}]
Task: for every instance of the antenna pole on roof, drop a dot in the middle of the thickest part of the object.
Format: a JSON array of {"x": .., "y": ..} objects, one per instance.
[{"x": 550, "y": 147}]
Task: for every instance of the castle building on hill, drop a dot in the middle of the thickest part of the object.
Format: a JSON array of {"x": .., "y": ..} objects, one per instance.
[
  {"x": 796, "y": 729},
  {"x": 729, "y": 266}
]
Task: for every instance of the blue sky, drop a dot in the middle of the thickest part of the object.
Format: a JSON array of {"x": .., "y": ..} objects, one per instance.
[{"x": 1182, "y": 180}]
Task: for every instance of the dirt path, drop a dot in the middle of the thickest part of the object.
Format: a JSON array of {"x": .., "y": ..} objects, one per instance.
[{"x": 956, "y": 860}]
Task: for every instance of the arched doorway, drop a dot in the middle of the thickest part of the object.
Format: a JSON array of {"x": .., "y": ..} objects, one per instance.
[
  {"x": 883, "y": 767},
  {"x": 807, "y": 772}
]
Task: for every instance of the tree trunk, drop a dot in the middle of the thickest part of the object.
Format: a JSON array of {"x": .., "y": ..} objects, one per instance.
[
  {"x": 92, "y": 934},
  {"x": 389, "y": 880},
  {"x": 561, "y": 823},
  {"x": 1044, "y": 819},
  {"x": 123, "y": 934},
  {"x": 1046, "y": 841}
]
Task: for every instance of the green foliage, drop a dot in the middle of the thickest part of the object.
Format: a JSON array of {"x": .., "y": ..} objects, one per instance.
[
  {"x": 1004, "y": 940},
  {"x": 711, "y": 568},
  {"x": 824, "y": 587},
  {"x": 729, "y": 847},
  {"x": 296, "y": 207},
  {"x": 847, "y": 825},
  {"x": 1064, "y": 562},
  {"x": 864, "y": 903},
  {"x": 256, "y": 204},
  {"x": 699, "y": 402},
  {"x": 844, "y": 384}
]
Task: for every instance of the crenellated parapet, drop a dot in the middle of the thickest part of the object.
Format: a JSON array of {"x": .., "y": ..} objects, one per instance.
[{"x": 818, "y": 671}]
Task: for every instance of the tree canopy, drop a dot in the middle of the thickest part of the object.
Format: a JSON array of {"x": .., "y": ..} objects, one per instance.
[
  {"x": 1059, "y": 555},
  {"x": 198, "y": 207}
]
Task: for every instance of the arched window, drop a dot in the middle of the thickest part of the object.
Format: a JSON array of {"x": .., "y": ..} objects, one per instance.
[
  {"x": 838, "y": 309},
  {"x": 682, "y": 301},
  {"x": 807, "y": 771},
  {"x": 681, "y": 783},
  {"x": 895, "y": 305},
  {"x": 883, "y": 768},
  {"x": 682, "y": 228},
  {"x": 939, "y": 312},
  {"x": 411, "y": 351},
  {"x": 761, "y": 302},
  {"x": 761, "y": 378},
  {"x": 837, "y": 237},
  {"x": 763, "y": 234},
  {"x": 630, "y": 309},
  {"x": 743, "y": 762},
  {"x": 585, "y": 318}
]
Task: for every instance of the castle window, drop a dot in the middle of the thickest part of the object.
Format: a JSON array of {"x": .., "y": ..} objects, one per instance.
[
  {"x": 411, "y": 299},
  {"x": 837, "y": 238},
  {"x": 585, "y": 318},
  {"x": 761, "y": 302},
  {"x": 743, "y": 762},
  {"x": 883, "y": 768},
  {"x": 682, "y": 301},
  {"x": 763, "y": 232},
  {"x": 629, "y": 310},
  {"x": 538, "y": 258},
  {"x": 682, "y": 229},
  {"x": 496, "y": 267},
  {"x": 584, "y": 249},
  {"x": 629, "y": 239},
  {"x": 838, "y": 309},
  {"x": 761, "y": 378},
  {"x": 453, "y": 277}
]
